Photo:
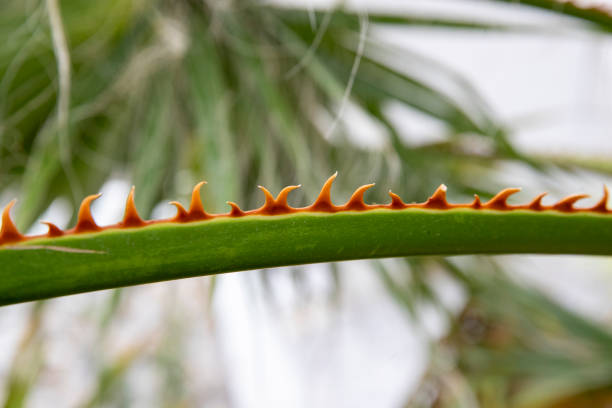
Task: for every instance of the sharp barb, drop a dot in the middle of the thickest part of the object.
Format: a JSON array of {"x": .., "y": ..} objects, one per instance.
[
  {"x": 269, "y": 198},
  {"x": 85, "y": 221},
  {"x": 536, "y": 203},
  {"x": 196, "y": 209},
  {"x": 181, "y": 213},
  {"x": 396, "y": 201},
  {"x": 323, "y": 201},
  {"x": 130, "y": 216},
  {"x": 476, "y": 204},
  {"x": 567, "y": 204},
  {"x": 281, "y": 199},
  {"x": 236, "y": 211},
  {"x": 356, "y": 201},
  {"x": 438, "y": 199},
  {"x": 54, "y": 230},
  {"x": 602, "y": 205},
  {"x": 279, "y": 205},
  {"x": 9, "y": 232},
  {"x": 499, "y": 201}
]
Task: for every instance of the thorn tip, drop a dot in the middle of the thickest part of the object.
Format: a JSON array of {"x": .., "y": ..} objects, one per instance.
[
  {"x": 438, "y": 199},
  {"x": 499, "y": 201},
  {"x": 356, "y": 202},
  {"x": 8, "y": 231},
  {"x": 54, "y": 230},
  {"x": 85, "y": 221},
  {"x": 323, "y": 202},
  {"x": 181, "y": 214},
  {"x": 196, "y": 209},
  {"x": 130, "y": 215},
  {"x": 567, "y": 204}
]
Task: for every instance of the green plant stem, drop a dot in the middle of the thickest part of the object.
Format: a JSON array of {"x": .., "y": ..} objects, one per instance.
[{"x": 167, "y": 251}]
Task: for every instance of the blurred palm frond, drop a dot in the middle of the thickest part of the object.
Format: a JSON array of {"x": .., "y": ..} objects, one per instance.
[{"x": 164, "y": 94}]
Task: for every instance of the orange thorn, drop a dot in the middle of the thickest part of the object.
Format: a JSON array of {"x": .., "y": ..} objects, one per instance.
[
  {"x": 281, "y": 198},
  {"x": 499, "y": 201},
  {"x": 196, "y": 209},
  {"x": 396, "y": 201},
  {"x": 602, "y": 205},
  {"x": 181, "y": 214},
  {"x": 567, "y": 204},
  {"x": 130, "y": 216},
  {"x": 356, "y": 201},
  {"x": 438, "y": 199},
  {"x": 536, "y": 203},
  {"x": 323, "y": 201},
  {"x": 85, "y": 221},
  {"x": 54, "y": 230},
  {"x": 9, "y": 232},
  {"x": 476, "y": 204},
  {"x": 269, "y": 197},
  {"x": 279, "y": 205},
  {"x": 236, "y": 211}
]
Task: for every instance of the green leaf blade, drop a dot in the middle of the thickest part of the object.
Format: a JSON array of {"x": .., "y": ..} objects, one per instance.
[{"x": 51, "y": 267}]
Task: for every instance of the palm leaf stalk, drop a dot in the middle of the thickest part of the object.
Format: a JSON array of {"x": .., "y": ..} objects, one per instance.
[{"x": 277, "y": 234}]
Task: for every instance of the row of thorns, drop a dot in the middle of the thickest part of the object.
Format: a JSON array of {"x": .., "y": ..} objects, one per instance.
[{"x": 277, "y": 206}]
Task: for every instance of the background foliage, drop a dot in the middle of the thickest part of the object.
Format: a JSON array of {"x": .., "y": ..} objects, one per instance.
[{"x": 240, "y": 93}]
